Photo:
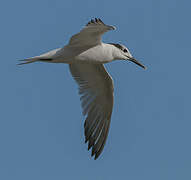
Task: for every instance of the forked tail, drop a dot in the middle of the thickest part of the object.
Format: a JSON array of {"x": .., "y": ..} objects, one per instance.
[{"x": 35, "y": 59}]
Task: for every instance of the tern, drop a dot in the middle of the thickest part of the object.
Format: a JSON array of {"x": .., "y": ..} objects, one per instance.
[{"x": 86, "y": 55}]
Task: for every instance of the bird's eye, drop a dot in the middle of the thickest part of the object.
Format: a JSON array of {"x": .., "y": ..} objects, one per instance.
[{"x": 125, "y": 50}]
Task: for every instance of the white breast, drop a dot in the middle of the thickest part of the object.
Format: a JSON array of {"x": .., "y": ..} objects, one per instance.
[{"x": 98, "y": 54}]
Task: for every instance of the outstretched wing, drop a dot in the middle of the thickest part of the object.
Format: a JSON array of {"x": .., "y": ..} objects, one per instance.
[
  {"x": 96, "y": 90},
  {"x": 91, "y": 34}
]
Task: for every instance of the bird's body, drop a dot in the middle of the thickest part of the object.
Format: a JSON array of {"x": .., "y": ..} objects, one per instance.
[
  {"x": 74, "y": 55},
  {"x": 86, "y": 53},
  {"x": 67, "y": 55}
]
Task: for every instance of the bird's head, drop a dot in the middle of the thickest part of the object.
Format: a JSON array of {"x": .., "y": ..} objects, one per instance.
[{"x": 122, "y": 52}]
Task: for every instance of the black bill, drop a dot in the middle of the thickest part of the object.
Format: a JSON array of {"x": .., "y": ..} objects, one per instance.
[{"x": 136, "y": 62}]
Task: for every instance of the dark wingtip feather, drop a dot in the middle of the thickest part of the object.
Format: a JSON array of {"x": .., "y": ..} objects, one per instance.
[
  {"x": 91, "y": 143},
  {"x": 95, "y": 21},
  {"x": 96, "y": 156},
  {"x": 93, "y": 151}
]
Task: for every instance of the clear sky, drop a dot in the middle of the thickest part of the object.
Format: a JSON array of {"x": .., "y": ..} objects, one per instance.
[{"x": 41, "y": 124}]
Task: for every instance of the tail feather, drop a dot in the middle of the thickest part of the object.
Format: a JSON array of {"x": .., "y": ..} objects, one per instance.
[{"x": 31, "y": 60}]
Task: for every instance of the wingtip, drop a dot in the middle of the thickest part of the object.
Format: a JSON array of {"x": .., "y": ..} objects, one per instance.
[
  {"x": 100, "y": 22},
  {"x": 96, "y": 156},
  {"x": 112, "y": 27}
]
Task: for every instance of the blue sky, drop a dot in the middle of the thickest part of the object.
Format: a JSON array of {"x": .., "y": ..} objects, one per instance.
[{"x": 41, "y": 124}]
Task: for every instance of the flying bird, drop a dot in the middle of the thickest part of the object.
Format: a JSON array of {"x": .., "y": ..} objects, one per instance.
[{"x": 86, "y": 55}]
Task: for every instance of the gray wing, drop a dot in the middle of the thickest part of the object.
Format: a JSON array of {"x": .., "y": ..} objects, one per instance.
[
  {"x": 91, "y": 34},
  {"x": 96, "y": 90}
]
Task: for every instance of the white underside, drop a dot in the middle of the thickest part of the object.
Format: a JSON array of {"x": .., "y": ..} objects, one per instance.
[{"x": 99, "y": 54}]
